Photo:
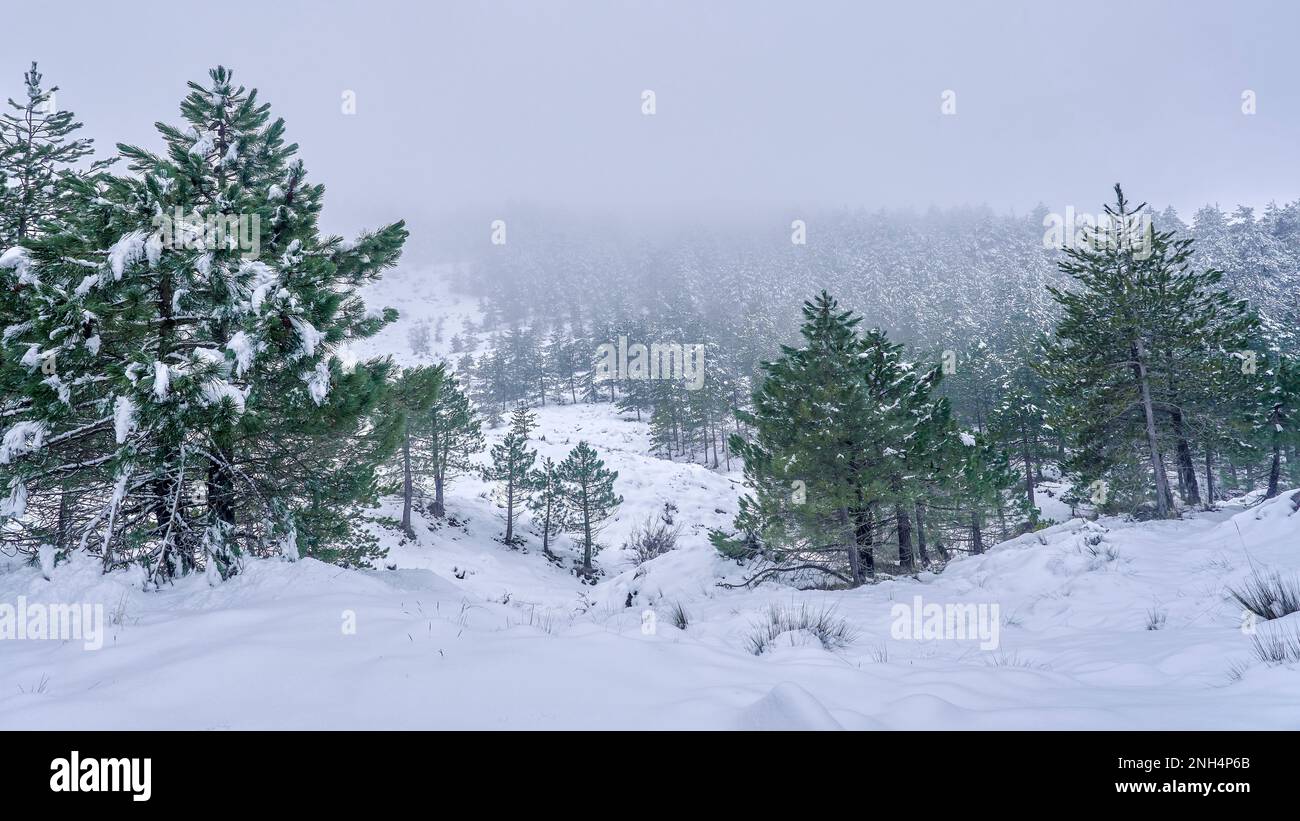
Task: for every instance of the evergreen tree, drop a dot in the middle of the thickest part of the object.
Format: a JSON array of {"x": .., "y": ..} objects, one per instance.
[
  {"x": 806, "y": 464},
  {"x": 450, "y": 434},
  {"x": 1142, "y": 334},
  {"x": 410, "y": 399},
  {"x": 512, "y": 464},
  {"x": 546, "y": 502},
  {"x": 189, "y": 319},
  {"x": 1279, "y": 420},
  {"x": 907, "y": 432},
  {"x": 522, "y": 421},
  {"x": 492, "y": 382},
  {"x": 1018, "y": 420},
  {"x": 983, "y": 475},
  {"x": 587, "y": 497},
  {"x": 37, "y": 152},
  {"x": 850, "y": 443},
  {"x": 525, "y": 368},
  {"x": 561, "y": 362}
]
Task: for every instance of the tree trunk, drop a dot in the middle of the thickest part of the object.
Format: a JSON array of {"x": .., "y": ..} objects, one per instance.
[
  {"x": 920, "y": 534},
  {"x": 546, "y": 527},
  {"x": 586, "y": 546},
  {"x": 586, "y": 539},
  {"x": 1209, "y": 479},
  {"x": 221, "y": 494},
  {"x": 510, "y": 510},
  {"x": 1186, "y": 468},
  {"x": 439, "y": 509},
  {"x": 976, "y": 535},
  {"x": 407, "y": 485},
  {"x": 851, "y": 548},
  {"x": 1275, "y": 467},
  {"x": 903, "y": 521},
  {"x": 65, "y": 518},
  {"x": 165, "y": 485},
  {"x": 1029, "y": 472},
  {"x": 1164, "y": 500},
  {"x": 864, "y": 537},
  {"x": 1038, "y": 462}
]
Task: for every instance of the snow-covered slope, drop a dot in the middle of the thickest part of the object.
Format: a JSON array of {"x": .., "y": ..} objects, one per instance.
[
  {"x": 423, "y": 299},
  {"x": 467, "y": 633}
]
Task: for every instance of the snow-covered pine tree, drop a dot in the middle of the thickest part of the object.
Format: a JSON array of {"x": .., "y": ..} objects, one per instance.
[
  {"x": 491, "y": 382},
  {"x": 38, "y": 153},
  {"x": 981, "y": 478},
  {"x": 587, "y": 497},
  {"x": 524, "y": 367},
  {"x": 1140, "y": 335},
  {"x": 639, "y": 395},
  {"x": 546, "y": 502},
  {"x": 37, "y": 149},
  {"x": 195, "y": 320},
  {"x": 512, "y": 464},
  {"x": 849, "y": 443},
  {"x": 1017, "y": 420},
  {"x": 1277, "y": 421},
  {"x": 561, "y": 362},
  {"x": 409, "y": 402},
  {"x": 805, "y": 466},
  {"x": 450, "y": 434},
  {"x": 522, "y": 421},
  {"x": 906, "y": 430}
]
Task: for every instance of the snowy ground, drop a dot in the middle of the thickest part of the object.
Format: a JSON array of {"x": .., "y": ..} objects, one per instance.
[{"x": 467, "y": 633}]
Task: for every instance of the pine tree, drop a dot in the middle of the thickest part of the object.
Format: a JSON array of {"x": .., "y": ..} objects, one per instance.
[
  {"x": 983, "y": 475},
  {"x": 522, "y": 421},
  {"x": 192, "y": 320},
  {"x": 1017, "y": 420},
  {"x": 546, "y": 502},
  {"x": 450, "y": 434},
  {"x": 587, "y": 496},
  {"x": 492, "y": 382},
  {"x": 806, "y": 465},
  {"x": 639, "y": 395},
  {"x": 512, "y": 464},
  {"x": 410, "y": 400},
  {"x": 37, "y": 152},
  {"x": 1278, "y": 420},
  {"x": 669, "y": 418},
  {"x": 1142, "y": 335},
  {"x": 561, "y": 361},
  {"x": 906, "y": 430},
  {"x": 849, "y": 442},
  {"x": 525, "y": 366}
]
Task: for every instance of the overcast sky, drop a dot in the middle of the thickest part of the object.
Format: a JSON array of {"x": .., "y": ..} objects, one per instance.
[{"x": 793, "y": 104}]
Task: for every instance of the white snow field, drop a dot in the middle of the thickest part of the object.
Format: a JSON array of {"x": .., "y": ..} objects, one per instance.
[{"x": 467, "y": 633}]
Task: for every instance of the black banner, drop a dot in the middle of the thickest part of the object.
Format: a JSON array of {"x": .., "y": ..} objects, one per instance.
[{"x": 135, "y": 771}]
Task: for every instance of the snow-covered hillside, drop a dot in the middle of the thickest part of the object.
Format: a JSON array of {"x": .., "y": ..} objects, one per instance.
[
  {"x": 428, "y": 310},
  {"x": 1099, "y": 625}
]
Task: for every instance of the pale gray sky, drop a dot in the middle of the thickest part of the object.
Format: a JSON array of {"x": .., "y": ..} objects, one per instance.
[{"x": 791, "y": 104}]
